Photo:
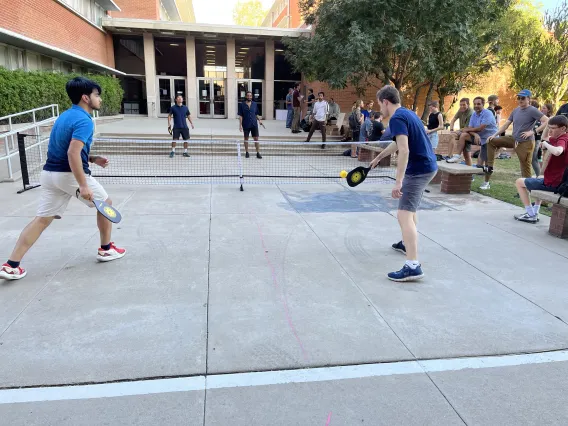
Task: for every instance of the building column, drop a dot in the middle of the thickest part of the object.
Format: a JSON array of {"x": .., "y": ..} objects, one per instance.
[
  {"x": 150, "y": 70},
  {"x": 269, "y": 80},
  {"x": 231, "y": 94},
  {"x": 191, "y": 75}
]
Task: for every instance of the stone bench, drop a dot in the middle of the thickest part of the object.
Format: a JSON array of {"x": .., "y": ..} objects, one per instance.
[
  {"x": 455, "y": 178},
  {"x": 368, "y": 152},
  {"x": 559, "y": 220}
]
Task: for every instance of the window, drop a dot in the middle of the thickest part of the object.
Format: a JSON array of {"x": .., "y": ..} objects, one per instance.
[
  {"x": 3, "y": 56},
  {"x": 88, "y": 9},
  {"x": 33, "y": 61},
  {"x": 12, "y": 58},
  {"x": 46, "y": 63}
]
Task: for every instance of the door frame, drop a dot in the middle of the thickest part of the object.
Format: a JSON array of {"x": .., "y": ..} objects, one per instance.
[
  {"x": 172, "y": 91},
  {"x": 211, "y": 81}
]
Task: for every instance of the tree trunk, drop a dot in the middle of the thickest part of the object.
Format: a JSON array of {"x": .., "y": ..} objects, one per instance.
[
  {"x": 427, "y": 101},
  {"x": 415, "y": 100},
  {"x": 441, "y": 99}
]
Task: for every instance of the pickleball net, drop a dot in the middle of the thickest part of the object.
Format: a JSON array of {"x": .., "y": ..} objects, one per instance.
[{"x": 148, "y": 162}]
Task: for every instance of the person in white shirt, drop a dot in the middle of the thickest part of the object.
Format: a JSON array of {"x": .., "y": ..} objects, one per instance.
[{"x": 319, "y": 118}]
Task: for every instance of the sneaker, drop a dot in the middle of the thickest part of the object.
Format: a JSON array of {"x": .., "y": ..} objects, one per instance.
[
  {"x": 111, "y": 254},
  {"x": 406, "y": 274},
  {"x": 172, "y": 154},
  {"x": 446, "y": 157},
  {"x": 247, "y": 155},
  {"x": 525, "y": 217},
  {"x": 9, "y": 273},
  {"x": 186, "y": 154},
  {"x": 322, "y": 146},
  {"x": 485, "y": 186},
  {"x": 399, "y": 247},
  {"x": 454, "y": 159},
  {"x": 258, "y": 156}
]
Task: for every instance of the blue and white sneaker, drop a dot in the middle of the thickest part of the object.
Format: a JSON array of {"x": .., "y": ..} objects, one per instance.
[
  {"x": 399, "y": 247},
  {"x": 407, "y": 274}
]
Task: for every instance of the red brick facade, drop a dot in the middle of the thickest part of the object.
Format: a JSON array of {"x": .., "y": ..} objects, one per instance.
[
  {"x": 50, "y": 22},
  {"x": 137, "y": 9}
]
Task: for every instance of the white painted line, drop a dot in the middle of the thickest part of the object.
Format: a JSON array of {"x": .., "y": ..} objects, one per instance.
[
  {"x": 221, "y": 381},
  {"x": 107, "y": 390}
]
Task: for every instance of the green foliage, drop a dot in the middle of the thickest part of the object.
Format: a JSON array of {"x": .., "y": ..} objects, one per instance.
[
  {"x": 22, "y": 90},
  {"x": 401, "y": 43},
  {"x": 539, "y": 58},
  {"x": 249, "y": 13}
]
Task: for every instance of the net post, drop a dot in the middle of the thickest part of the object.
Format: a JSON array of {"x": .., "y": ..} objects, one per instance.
[
  {"x": 24, "y": 164},
  {"x": 240, "y": 164}
]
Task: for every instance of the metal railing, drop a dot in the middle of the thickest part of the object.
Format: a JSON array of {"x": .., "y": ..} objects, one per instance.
[{"x": 9, "y": 138}]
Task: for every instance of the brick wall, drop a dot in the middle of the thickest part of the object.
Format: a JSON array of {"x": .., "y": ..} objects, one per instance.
[
  {"x": 137, "y": 9},
  {"x": 51, "y": 23}
]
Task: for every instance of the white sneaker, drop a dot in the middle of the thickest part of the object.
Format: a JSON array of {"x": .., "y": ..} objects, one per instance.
[
  {"x": 9, "y": 273},
  {"x": 485, "y": 186},
  {"x": 454, "y": 159},
  {"x": 111, "y": 254}
]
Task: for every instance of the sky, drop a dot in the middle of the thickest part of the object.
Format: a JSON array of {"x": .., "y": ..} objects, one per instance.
[
  {"x": 218, "y": 11},
  {"x": 221, "y": 11}
]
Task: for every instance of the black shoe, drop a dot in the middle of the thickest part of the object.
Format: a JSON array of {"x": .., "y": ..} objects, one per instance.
[
  {"x": 258, "y": 155},
  {"x": 322, "y": 146},
  {"x": 247, "y": 155},
  {"x": 186, "y": 154},
  {"x": 399, "y": 247}
]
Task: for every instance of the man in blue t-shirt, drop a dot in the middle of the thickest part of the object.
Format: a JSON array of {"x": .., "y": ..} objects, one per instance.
[
  {"x": 66, "y": 174},
  {"x": 249, "y": 119},
  {"x": 179, "y": 112},
  {"x": 416, "y": 167}
]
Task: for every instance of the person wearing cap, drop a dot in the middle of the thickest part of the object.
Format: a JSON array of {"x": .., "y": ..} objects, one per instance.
[
  {"x": 492, "y": 102},
  {"x": 523, "y": 119}
]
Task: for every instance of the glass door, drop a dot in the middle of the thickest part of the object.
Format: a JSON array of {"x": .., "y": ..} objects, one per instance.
[
  {"x": 168, "y": 89},
  {"x": 254, "y": 86},
  {"x": 204, "y": 95},
  {"x": 165, "y": 95},
  {"x": 219, "y": 98}
]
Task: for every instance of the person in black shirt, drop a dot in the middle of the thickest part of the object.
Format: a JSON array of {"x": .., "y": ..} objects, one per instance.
[
  {"x": 249, "y": 119},
  {"x": 179, "y": 112},
  {"x": 435, "y": 123},
  {"x": 378, "y": 128},
  {"x": 311, "y": 99},
  {"x": 563, "y": 110}
]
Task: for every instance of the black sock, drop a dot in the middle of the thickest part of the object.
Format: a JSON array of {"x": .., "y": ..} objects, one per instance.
[
  {"x": 13, "y": 264},
  {"x": 107, "y": 247}
]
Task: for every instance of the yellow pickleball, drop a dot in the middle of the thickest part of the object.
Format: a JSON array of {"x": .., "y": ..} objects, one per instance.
[{"x": 343, "y": 173}]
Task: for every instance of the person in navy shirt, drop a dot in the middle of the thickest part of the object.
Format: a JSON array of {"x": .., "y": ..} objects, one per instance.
[
  {"x": 66, "y": 175},
  {"x": 416, "y": 167},
  {"x": 179, "y": 112},
  {"x": 249, "y": 119}
]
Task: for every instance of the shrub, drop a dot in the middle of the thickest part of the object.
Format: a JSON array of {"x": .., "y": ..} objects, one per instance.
[{"x": 22, "y": 90}]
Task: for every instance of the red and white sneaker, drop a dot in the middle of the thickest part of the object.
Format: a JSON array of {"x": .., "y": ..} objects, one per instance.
[
  {"x": 112, "y": 253},
  {"x": 9, "y": 273}
]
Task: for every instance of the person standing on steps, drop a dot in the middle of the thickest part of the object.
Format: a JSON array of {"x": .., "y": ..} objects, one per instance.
[
  {"x": 179, "y": 112},
  {"x": 249, "y": 119},
  {"x": 297, "y": 105},
  {"x": 319, "y": 118}
]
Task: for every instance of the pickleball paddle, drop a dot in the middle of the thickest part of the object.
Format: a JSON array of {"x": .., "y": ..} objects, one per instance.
[
  {"x": 105, "y": 209},
  {"x": 357, "y": 175}
]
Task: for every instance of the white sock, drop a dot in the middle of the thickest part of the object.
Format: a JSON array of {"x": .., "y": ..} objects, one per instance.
[
  {"x": 536, "y": 209},
  {"x": 530, "y": 210},
  {"x": 185, "y": 150},
  {"x": 173, "y": 149},
  {"x": 412, "y": 264}
]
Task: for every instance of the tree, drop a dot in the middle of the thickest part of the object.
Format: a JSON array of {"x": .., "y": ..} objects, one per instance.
[
  {"x": 539, "y": 60},
  {"x": 249, "y": 13},
  {"x": 360, "y": 41}
]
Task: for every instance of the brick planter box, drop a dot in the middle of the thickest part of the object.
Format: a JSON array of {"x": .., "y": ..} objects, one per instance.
[
  {"x": 559, "y": 219},
  {"x": 455, "y": 178}
]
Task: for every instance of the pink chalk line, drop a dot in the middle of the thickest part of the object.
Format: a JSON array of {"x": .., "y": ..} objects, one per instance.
[
  {"x": 328, "y": 419},
  {"x": 282, "y": 295}
]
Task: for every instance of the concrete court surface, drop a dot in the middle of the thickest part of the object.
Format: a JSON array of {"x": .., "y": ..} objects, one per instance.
[{"x": 271, "y": 307}]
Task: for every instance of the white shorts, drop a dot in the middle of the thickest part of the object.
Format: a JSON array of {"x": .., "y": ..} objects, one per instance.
[{"x": 57, "y": 188}]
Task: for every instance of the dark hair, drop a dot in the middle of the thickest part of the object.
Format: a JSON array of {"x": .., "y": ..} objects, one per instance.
[
  {"x": 498, "y": 108},
  {"x": 492, "y": 98},
  {"x": 296, "y": 85},
  {"x": 179, "y": 96},
  {"x": 558, "y": 120},
  {"x": 466, "y": 100},
  {"x": 377, "y": 115},
  {"x": 535, "y": 103},
  {"x": 550, "y": 109},
  {"x": 481, "y": 98},
  {"x": 321, "y": 93},
  {"x": 433, "y": 104},
  {"x": 247, "y": 92},
  {"x": 80, "y": 86},
  {"x": 311, "y": 90},
  {"x": 389, "y": 93}
]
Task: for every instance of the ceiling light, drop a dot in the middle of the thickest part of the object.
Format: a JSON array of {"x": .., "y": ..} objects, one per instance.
[
  {"x": 167, "y": 32},
  {"x": 174, "y": 44},
  {"x": 279, "y": 50},
  {"x": 244, "y": 48}
]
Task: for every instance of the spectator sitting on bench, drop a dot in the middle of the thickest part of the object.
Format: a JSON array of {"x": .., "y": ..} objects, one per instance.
[
  {"x": 463, "y": 116},
  {"x": 377, "y": 128},
  {"x": 557, "y": 162},
  {"x": 481, "y": 125}
]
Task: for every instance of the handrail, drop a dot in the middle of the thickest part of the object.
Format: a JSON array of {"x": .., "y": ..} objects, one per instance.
[
  {"x": 32, "y": 111},
  {"x": 30, "y": 126}
]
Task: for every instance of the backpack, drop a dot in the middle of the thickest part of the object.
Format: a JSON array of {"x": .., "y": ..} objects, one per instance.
[
  {"x": 353, "y": 123},
  {"x": 562, "y": 189}
]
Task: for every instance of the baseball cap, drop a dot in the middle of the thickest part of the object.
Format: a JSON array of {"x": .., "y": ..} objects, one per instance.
[{"x": 525, "y": 92}]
